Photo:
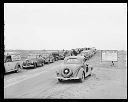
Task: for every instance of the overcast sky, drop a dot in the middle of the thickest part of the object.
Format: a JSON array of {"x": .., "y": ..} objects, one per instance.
[{"x": 65, "y": 25}]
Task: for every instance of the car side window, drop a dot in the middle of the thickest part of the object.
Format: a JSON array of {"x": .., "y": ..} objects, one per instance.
[
  {"x": 86, "y": 68},
  {"x": 8, "y": 59}
]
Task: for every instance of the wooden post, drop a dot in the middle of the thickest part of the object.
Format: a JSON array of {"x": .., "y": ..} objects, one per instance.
[{"x": 112, "y": 63}]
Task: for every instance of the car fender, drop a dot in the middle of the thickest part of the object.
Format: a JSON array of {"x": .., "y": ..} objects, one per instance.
[
  {"x": 79, "y": 73},
  {"x": 90, "y": 68},
  {"x": 10, "y": 66},
  {"x": 20, "y": 63}
]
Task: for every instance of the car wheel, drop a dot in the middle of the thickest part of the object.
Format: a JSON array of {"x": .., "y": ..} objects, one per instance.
[
  {"x": 90, "y": 74},
  {"x": 82, "y": 78},
  {"x": 48, "y": 61},
  {"x": 60, "y": 80},
  {"x": 18, "y": 68},
  {"x": 35, "y": 65},
  {"x": 23, "y": 67},
  {"x": 42, "y": 64}
]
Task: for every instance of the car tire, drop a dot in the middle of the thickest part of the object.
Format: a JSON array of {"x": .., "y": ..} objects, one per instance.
[
  {"x": 48, "y": 61},
  {"x": 18, "y": 68},
  {"x": 90, "y": 74},
  {"x": 35, "y": 65},
  {"x": 82, "y": 78},
  {"x": 60, "y": 80},
  {"x": 43, "y": 64}
]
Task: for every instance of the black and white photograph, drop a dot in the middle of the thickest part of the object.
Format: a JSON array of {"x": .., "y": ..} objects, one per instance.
[{"x": 65, "y": 50}]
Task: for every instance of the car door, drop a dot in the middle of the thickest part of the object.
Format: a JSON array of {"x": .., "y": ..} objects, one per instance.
[{"x": 7, "y": 64}]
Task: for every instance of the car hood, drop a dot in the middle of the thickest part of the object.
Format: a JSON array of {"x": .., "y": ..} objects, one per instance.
[{"x": 30, "y": 60}]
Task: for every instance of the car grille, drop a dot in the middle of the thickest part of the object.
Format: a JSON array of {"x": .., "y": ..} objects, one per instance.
[{"x": 27, "y": 64}]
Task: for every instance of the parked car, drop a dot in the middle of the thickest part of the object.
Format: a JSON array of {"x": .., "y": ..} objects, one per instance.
[
  {"x": 12, "y": 63},
  {"x": 86, "y": 54},
  {"x": 94, "y": 50},
  {"x": 48, "y": 57},
  {"x": 74, "y": 52},
  {"x": 74, "y": 67},
  {"x": 56, "y": 56},
  {"x": 67, "y": 53},
  {"x": 33, "y": 60},
  {"x": 61, "y": 55}
]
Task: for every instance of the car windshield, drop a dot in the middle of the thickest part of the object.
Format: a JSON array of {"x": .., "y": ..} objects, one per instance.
[{"x": 73, "y": 61}]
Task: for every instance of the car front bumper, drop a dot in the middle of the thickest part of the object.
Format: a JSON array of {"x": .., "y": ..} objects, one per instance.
[
  {"x": 72, "y": 78},
  {"x": 26, "y": 66}
]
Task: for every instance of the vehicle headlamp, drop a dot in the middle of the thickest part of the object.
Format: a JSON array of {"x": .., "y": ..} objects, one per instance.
[{"x": 66, "y": 71}]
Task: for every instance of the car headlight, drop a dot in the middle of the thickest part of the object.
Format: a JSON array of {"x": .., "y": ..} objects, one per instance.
[{"x": 66, "y": 71}]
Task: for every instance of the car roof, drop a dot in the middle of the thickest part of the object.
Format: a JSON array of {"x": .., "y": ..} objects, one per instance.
[
  {"x": 12, "y": 54},
  {"x": 86, "y": 51},
  {"x": 78, "y": 57}
]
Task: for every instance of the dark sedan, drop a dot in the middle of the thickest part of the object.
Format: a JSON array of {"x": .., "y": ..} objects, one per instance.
[{"x": 33, "y": 60}]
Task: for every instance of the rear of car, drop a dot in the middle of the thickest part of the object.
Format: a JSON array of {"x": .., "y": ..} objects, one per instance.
[
  {"x": 70, "y": 69},
  {"x": 47, "y": 60},
  {"x": 85, "y": 54},
  {"x": 56, "y": 56},
  {"x": 61, "y": 56},
  {"x": 51, "y": 58},
  {"x": 12, "y": 63}
]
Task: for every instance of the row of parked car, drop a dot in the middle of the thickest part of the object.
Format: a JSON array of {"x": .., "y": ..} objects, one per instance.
[
  {"x": 13, "y": 62},
  {"x": 88, "y": 53}
]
